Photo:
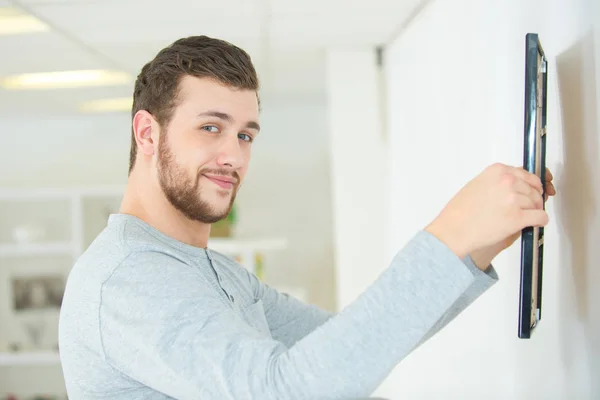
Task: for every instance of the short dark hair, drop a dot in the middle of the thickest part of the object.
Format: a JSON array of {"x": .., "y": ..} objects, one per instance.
[{"x": 156, "y": 87}]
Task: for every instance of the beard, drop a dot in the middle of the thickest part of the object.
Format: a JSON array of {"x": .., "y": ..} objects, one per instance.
[{"x": 185, "y": 193}]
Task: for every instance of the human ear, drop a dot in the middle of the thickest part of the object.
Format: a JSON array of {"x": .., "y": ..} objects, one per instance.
[{"x": 144, "y": 130}]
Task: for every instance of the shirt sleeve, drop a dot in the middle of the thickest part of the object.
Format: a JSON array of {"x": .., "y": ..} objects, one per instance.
[
  {"x": 289, "y": 319},
  {"x": 191, "y": 345},
  {"x": 482, "y": 282}
]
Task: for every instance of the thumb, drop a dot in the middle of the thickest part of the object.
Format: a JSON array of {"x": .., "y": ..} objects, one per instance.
[{"x": 536, "y": 218}]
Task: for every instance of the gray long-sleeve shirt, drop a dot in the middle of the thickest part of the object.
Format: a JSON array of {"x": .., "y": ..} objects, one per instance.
[{"x": 147, "y": 317}]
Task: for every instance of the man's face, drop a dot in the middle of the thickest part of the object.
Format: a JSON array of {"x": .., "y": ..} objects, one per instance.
[{"x": 204, "y": 152}]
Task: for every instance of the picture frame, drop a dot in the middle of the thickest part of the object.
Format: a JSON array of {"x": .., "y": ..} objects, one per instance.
[
  {"x": 534, "y": 161},
  {"x": 31, "y": 296}
]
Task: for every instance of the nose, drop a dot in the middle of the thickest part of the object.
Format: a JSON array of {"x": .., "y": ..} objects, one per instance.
[{"x": 230, "y": 153}]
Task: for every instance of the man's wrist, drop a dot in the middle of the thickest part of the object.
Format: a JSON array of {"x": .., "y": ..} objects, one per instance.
[
  {"x": 482, "y": 258},
  {"x": 451, "y": 239}
]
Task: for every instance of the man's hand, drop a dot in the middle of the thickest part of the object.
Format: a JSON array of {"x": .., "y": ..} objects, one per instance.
[
  {"x": 483, "y": 257},
  {"x": 490, "y": 211}
]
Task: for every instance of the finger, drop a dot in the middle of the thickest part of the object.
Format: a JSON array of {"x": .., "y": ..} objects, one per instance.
[
  {"x": 548, "y": 175},
  {"x": 550, "y": 191},
  {"x": 522, "y": 187},
  {"x": 530, "y": 202},
  {"x": 532, "y": 179},
  {"x": 537, "y": 218},
  {"x": 525, "y": 202}
]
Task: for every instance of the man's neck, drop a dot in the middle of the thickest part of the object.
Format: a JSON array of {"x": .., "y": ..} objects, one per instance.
[{"x": 148, "y": 203}]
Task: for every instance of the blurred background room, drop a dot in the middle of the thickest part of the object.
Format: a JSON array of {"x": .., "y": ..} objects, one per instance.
[{"x": 374, "y": 113}]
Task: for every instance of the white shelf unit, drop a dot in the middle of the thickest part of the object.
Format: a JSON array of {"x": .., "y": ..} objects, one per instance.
[
  {"x": 74, "y": 199},
  {"x": 14, "y": 250},
  {"x": 29, "y": 359},
  {"x": 83, "y": 225}
]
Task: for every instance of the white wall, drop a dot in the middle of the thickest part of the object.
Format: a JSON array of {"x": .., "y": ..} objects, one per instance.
[
  {"x": 286, "y": 193},
  {"x": 358, "y": 172},
  {"x": 64, "y": 151},
  {"x": 456, "y": 100}
]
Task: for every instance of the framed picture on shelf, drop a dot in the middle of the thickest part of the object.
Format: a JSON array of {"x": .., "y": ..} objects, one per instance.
[
  {"x": 30, "y": 303},
  {"x": 39, "y": 292}
]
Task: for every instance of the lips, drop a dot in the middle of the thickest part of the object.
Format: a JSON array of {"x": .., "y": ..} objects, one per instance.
[{"x": 224, "y": 182}]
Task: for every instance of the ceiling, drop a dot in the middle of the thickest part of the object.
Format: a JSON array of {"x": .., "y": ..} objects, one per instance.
[{"x": 287, "y": 40}]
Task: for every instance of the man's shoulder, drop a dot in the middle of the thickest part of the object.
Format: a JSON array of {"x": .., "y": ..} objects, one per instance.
[
  {"x": 112, "y": 258},
  {"x": 127, "y": 244}
]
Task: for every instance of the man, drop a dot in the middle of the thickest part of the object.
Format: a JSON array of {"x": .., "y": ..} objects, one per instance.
[{"x": 151, "y": 313}]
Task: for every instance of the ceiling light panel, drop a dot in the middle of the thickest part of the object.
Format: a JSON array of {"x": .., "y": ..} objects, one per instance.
[
  {"x": 14, "y": 22},
  {"x": 108, "y": 105},
  {"x": 65, "y": 79}
]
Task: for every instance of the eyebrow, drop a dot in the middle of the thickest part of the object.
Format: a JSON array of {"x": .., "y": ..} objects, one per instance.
[{"x": 228, "y": 118}]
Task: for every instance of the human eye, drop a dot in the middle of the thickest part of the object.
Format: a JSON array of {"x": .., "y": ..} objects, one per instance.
[
  {"x": 210, "y": 128},
  {"x": 245, "y": 137}
]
